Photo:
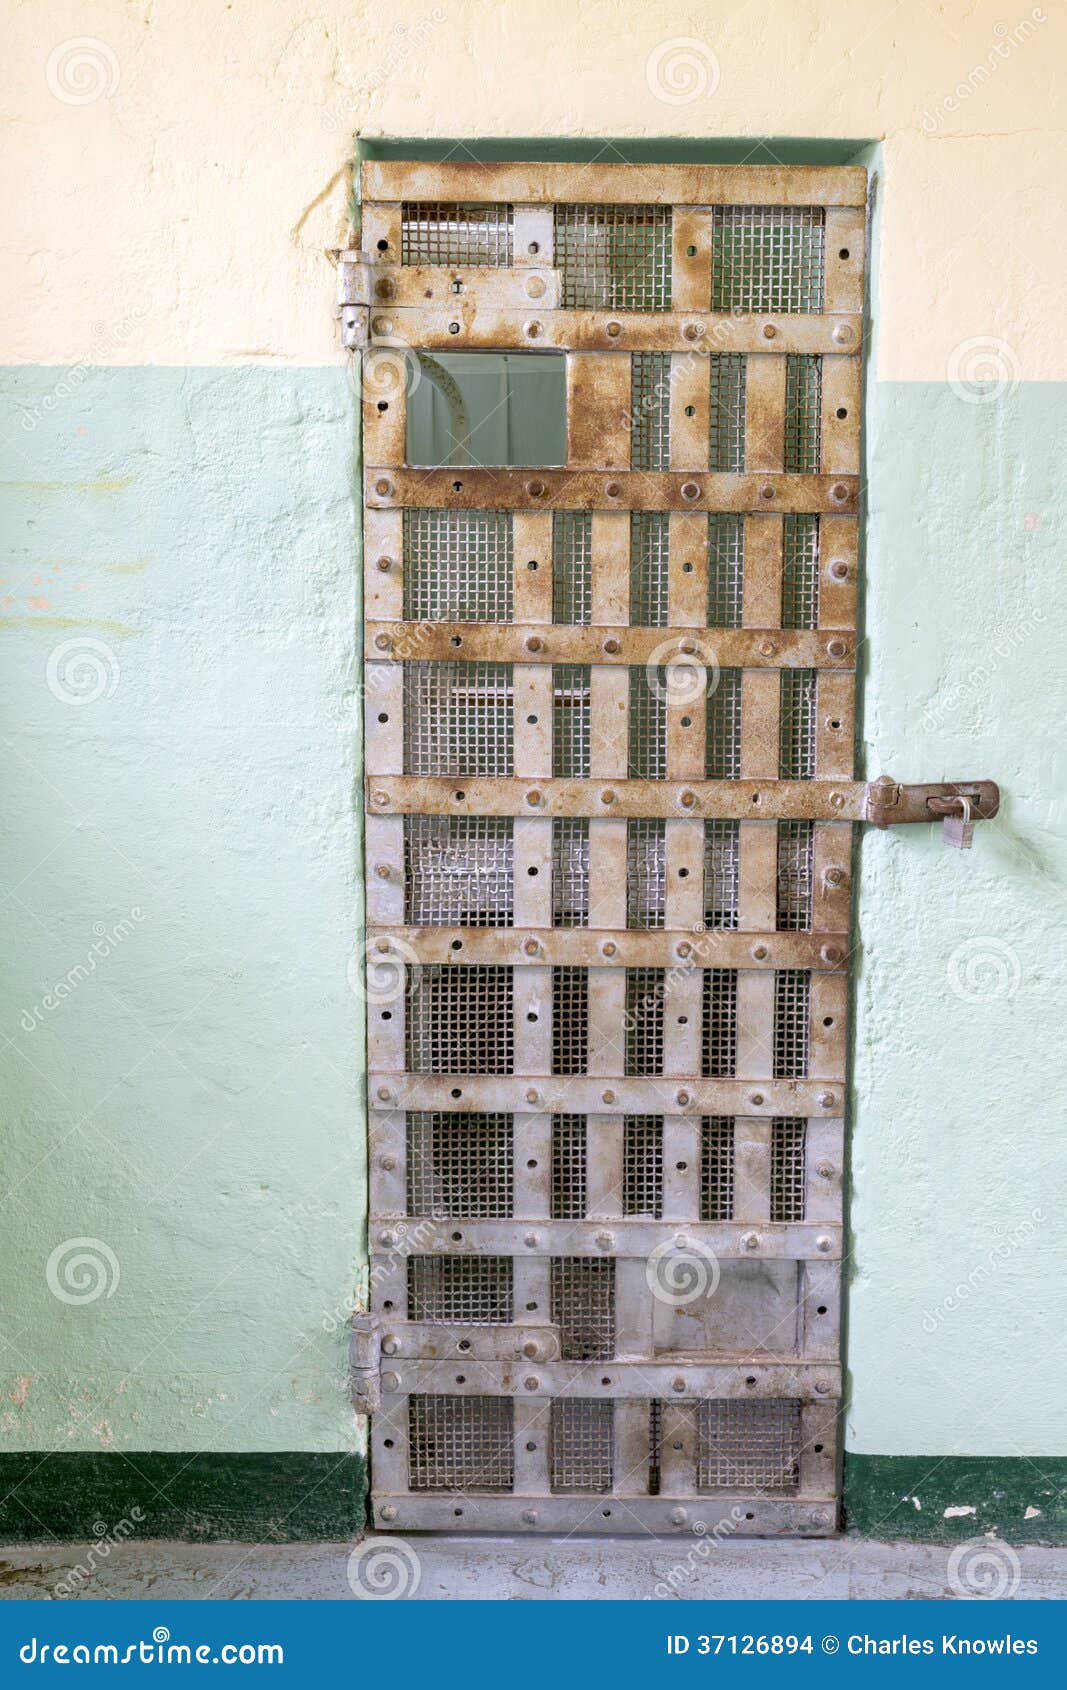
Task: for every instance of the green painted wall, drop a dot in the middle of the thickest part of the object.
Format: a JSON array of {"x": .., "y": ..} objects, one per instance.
[{"x": 189, "y": 1093}]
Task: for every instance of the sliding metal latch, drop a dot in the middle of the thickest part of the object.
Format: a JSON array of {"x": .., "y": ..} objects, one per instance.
[
  {"x": 958, "y": 803},
  {"x": 353, "y": 296},
  {"x": 364, "y": 1363}
]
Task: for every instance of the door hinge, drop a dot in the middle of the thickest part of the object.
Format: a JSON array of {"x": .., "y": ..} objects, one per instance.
[
  {"x": 958, "y": 804},
  {"x": 364, "y": 1362},
  {"x": 353, "y": 296}
]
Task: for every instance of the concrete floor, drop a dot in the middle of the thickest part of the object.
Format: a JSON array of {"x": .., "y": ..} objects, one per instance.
[{"x": 493, "y": 1568}]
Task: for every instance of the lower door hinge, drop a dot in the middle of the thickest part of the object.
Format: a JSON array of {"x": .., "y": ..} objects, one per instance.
[
  {"x": 958, "y": 804},
  {"x": 364, "y": 1363}
]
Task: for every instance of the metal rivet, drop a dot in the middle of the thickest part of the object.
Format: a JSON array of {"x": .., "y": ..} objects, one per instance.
[
  {"x": 613, "y": 330},
  {"x": 535, "y": 287},
  {"x": 387, "y": 1238},
  {"x": 533, "y": 796},
  {"x": 826, "y": 1099},
  {"x": 382, "y": 870},
  {"x": 390, "y": 1345},
  {"x": 530, "y": 1241},
  {"x": 822, "y": 1386},
  {"x": 751, "y": 1240},
  {"x": 385, "y": 564},
  {"x": 839, "y": 570},
  {"x": 766, "y": 491},
  {"x": 678, "y": 1384},
  {"x": 607, "y": 1097},
  {"x": 529, "y": 1516},
  {"x": 388, "y": 1512},
  {"x": 532, "y": 1096},
  {"x": 613, "y": 489},
  {"x": 759, "y": 952},
  {"x": 683, "y": 948},
  {"x": 535, "y": 489},
  {"x": 388, "y": 1163},
  {"x": 842, "y": 334},
  {"x": 382, "y": 945},
  {"x": 825, "y": 1170},
  {"x": 607, "y": 796},
  {"x": 824, "y": 1244},
  {"x": 383, "y": 325},
  {"x": 382, "y": 487},
  {"x": 682, "y": 1098},
  {"x": 604, "y": 1240},
  {"x": 836, "y": 648},
  {"x": 611, "y": 646},
  {"x": 831, "y": 953},
  {"x": 531, "y": 946},
  {"x": 837, "y": 800},
  {"x": 839, "y": 492},
  {"x": 688, "y": 646},
  {"x": 384, "y": 1094},
  {"x": 530, "y": 1351},
  {"x": 769, "y": 331},
  {"x": 819, "y": 1517},
  {"x": 687, "y": 800},
  {"x": 609, "y": 949},
  {"x": 531, "y": 1383},
  {"x": 690, "y": 489},
  {"x": 693, "y": 331},
  {"x": 391, "y": 1382},
  {"x": 834, "y": 877},
  {"x": 533, "y": 643},
  {"x": 381, "y": 797},
  {"x": 678, "y": 1516},
  {"x": 756, "y": 1099},
  {"x": 767, "y": 648}
]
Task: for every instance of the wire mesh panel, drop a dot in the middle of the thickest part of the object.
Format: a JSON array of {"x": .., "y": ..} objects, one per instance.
[
  {"x": 792, "y": 1012},
  {"x": 625, "y": 934},
  {"x": 722, "y": 872},
  {"x": 649, "y": 562},
  {"x": 458, "y": 719},
  {"x": 767, "y": 258},
  {"x": 788, "y": 1169},
  {"x": 570, "y": 872},
  {"x": 582, "y": 1432},
  {"x": 461, "y": 1443},
  {"x": 572, "y": 567},
  {"x": 458, "y": 871},
  {"x": 726, "y": 565},
  {"x": 646, "y": 872},
  {"x": 720, "y": 1022},
  {"x": 569, "y": 1164},
  {"x": 642, "y": 1166},
  {"x": 570, "y": 720},
  {"x": 614, "y": 257},
  {"x": 456, "y": 235},
  {"x": 583, "y": 1306},
  {"x": 722, "y": 755},
  {"x": 570, "y": 1020},
  {"x": 748, "y": 1446},
  {"x": 457, "y": 566},
  {"x": 717, "y": 1168},
  {"x": 459, "y": 1167},
  {"x": 726, "y": 425},
  {"x": 459, "y": 1019},
  {"x": 644, "y": 1020},
  {"x": 650, "y": 410}
]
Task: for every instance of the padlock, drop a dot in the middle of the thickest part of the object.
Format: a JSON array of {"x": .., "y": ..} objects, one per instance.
[{"x": 959, "y": 830}]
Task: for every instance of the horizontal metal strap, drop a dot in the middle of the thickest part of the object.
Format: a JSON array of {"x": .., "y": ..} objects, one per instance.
[
  {"x": 716, "y": 1513},
  {"x": 479, "y": 318},
  {"x": 426, "y": 1341},
  {"x": 584, "y": 947},
  {"x": 763, "y": 1240},
  {"x": 538, "y": 182},
  {"x": 546, "y": 642},
  {"x": 501, "y": 795},
  {"x": 429, "y": 288},
  {"x": 603, "y": 489},
  {"x": 678, "y": 1378},
  {"x": 585, "y": 1094}
]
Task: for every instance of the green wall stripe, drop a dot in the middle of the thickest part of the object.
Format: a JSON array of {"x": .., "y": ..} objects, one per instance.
[
  {"x": 907, "y": 1496},
  {"x": 290, "y": 1497},
  {"x": 743, "y": 149}
]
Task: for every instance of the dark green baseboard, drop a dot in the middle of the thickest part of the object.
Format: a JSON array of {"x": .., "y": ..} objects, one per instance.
[
  {"x": 290, "y": 1497},
  {"x": 906, "y": 1496}
]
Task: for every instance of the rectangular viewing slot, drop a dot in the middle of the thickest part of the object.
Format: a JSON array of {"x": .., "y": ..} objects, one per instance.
[{"x": 487, "y": 408}]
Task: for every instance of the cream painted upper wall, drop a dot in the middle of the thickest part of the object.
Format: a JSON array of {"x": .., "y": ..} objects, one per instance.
[{"x": 188, "y": 161}]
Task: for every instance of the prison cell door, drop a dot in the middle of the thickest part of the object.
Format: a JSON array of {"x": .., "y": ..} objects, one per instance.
[{"x": 609, "y": 806}]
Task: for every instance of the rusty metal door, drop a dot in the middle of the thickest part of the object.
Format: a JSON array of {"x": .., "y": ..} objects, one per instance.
[{"x": 609, "y": 749}]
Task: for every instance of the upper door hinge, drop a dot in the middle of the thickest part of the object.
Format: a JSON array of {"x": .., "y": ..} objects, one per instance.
[
  {"x": 353, "y": 296},
  {"x": 364, "y": 1363}
]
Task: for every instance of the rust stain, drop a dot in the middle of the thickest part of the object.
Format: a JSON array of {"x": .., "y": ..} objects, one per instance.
[{"x": 73, "y": 622}]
